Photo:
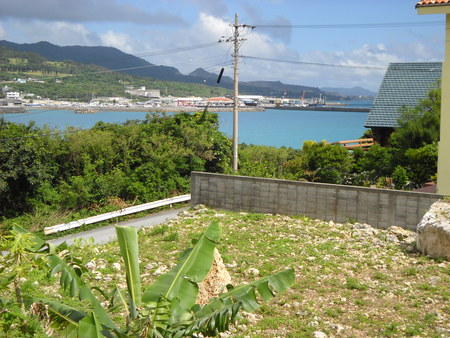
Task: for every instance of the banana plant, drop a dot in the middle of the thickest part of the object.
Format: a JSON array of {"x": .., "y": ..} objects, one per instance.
[
  {"x": 165, "y": 308},
  {"x": 19, "y": 251}
]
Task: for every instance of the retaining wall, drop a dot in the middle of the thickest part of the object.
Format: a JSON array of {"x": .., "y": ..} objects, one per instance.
[{"x": 341, "y": 203}]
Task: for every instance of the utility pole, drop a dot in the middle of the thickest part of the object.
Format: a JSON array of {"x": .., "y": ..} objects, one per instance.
[
  {"x": 236, "y": 93},
  {"x": 236, "y": 40}
]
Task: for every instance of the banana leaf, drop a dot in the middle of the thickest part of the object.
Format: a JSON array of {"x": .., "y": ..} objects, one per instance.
[
  {"x": 63, "y": 317},
  {"x": 181, "y": 281},
  {"x": 70, "y": 275},
  {"x": 212, "y": 323},
  {"x": 157, "y": 317},
  {"x": 71, "y": 279},
  {"x": 101, "y": 314},
  {"x": 247, "y": 294},
  {"x": 128, "y": 242},
  {"x": 90, "y": 327},
  {"x": 35, "y": 243}
]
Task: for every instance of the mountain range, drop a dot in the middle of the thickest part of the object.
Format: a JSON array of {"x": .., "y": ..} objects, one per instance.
[
  {"x": 114, "y": 59},
  {"x": 355, "y": 91}
]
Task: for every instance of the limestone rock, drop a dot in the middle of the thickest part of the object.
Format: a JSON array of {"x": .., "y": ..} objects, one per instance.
[
  {"x": 252, "y": 272},
  {"x": 433, "y": 231},
  {"x": 406, "y": 238},
  {"x": 215, "y": 281},
  {"x": 401, "y": 234},
  {"x": 91, "y": 265}
]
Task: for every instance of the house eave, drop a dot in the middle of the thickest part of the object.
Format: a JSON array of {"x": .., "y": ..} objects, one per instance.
[{"x": 433, "y": 9}]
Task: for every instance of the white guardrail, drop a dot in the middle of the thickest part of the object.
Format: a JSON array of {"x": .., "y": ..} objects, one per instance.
[{"x": 118, "y": 213}]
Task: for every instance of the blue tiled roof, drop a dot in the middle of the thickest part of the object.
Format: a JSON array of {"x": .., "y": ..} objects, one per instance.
[{"x": 404, "y": 84}]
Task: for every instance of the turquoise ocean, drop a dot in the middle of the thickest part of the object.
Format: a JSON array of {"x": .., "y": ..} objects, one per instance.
[{"x": 289, "y": 128}]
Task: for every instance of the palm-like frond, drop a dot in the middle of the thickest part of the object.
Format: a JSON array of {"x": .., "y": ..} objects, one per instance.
[
  {"x": 181, "y": 281},
  {"x": 64, "y": 318},
  {"x": 265, "y": 287},
  {"x": 71, "y": 274},
  {"x": 213, "y": 321},
  {"x": 128, "y": 242},
  {"x": 247, "y": 294},
  {"x": 155, "y": 318}
]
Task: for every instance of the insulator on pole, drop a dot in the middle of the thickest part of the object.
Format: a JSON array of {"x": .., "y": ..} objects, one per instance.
[{"x": 220, "y": 75}]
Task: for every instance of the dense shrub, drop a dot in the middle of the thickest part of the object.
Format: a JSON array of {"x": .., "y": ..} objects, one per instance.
[
  {"x": 263, "y": 161},
  {"x": 419, "y": 126},
  {"x": 321, "y": 162},
  {"x": 136, "y": 161}
]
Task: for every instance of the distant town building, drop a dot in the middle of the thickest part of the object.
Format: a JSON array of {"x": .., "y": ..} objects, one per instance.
[
  {"x": 218, "y": 101},
  {"x": 110, "y": 101},
  {"x": 188, "y": 101},
  {"x": 10, "y": 103},
  {"x": 403, "y": 85},
  {"x": 13, "y": 95},
  {"x": 142, "y": 91},
  {"x": 35, "y": 80}
]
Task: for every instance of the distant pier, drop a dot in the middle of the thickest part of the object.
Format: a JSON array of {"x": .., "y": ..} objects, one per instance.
[
  {"x": 324, "y": 108},
  {"x": 12, "y": 110}
]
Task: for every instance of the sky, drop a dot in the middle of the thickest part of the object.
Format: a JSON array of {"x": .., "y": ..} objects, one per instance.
[{"x": 310, "y": 42}]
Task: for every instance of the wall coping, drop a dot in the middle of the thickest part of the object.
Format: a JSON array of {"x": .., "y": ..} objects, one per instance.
[{"x": 322, "y": 185}]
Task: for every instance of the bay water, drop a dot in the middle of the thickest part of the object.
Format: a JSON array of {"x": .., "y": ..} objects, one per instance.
[{"x": 273, "y": 127}]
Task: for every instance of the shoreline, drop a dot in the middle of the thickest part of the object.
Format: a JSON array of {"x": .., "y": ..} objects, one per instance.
[
  {"x": 171, "y": 109},
  {"x": 93, "y": 110},
  {"x": 326, "y": 108}
]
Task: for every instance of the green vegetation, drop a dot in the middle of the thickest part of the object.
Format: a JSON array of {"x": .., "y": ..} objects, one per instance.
[
  {"x": 45, "y": 174},
  {"x": 74, "y": 81},
  {"x": 347, "y": 283},
  {"x": 49, "y": 177},
  {"x": 408, "y": 162}
]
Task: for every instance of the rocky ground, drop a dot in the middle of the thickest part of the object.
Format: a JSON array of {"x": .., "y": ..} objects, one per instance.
[{"x": 352, "y": 280}]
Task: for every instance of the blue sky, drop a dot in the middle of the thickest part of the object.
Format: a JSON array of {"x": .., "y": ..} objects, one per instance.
[{"x": 146, "y": 26}]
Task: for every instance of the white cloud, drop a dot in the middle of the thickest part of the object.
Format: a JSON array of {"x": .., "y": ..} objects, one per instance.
[
  {"x": 320, "y": 76},
  {"x": 2, "y": 33},
  {"x": 430, "y": 50},
  {"x": 209, "y": 28},
  {"x": 259, "y": 43},
  {"x": 120, "y": 41},
  {"x": 214, "y": 7},
  {"x": 60, "y": 33}
]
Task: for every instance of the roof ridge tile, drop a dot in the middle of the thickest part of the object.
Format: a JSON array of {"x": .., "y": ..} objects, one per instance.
[{"x": 424, "y": 3}]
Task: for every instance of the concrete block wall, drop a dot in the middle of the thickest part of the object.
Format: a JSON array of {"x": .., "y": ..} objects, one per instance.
[{"x": 341, "y": 203}]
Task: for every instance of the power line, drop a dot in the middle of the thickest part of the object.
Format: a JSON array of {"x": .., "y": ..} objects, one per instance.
[
  {"x": 312, "y": 63},
  {"x": 177, "y": 49},
  {"x": 158, "y": 52},
  {"x": 161, "y": 52},
  {"x": 412, "y": 69},
  {"x": 146, "y": 54},
  {"x": 360, "y": 25}
]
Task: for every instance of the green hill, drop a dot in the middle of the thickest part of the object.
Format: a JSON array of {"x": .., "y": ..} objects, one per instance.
[
  {"x": 114, "y": 59},
  {"x": 72, "y": 80}
]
